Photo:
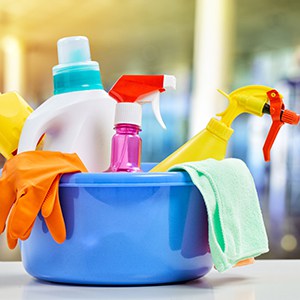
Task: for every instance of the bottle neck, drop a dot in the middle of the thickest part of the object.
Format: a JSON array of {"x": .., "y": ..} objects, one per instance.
[
  {"x": 77, "y": 81},
  {"x": 127, "y": 128}
]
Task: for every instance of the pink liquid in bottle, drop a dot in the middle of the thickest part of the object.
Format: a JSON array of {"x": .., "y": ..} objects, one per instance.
[{"x": 126, "y": 149}]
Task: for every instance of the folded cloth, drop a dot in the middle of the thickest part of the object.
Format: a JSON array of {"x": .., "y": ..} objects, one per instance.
[
  {"x": 236, "y": 229},
  {"x": 29, "y": 184}
]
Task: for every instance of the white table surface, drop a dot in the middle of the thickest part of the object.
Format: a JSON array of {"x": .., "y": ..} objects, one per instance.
[{"x": 266, "y": 279}]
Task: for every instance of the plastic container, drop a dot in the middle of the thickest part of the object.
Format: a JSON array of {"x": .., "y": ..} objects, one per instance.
[
  {"x": 212, "y": 141},
  {"x": 124, "y": 229},
  {"x": 79, "y": 117},
  {"x": 126, "y": 148},
  {"x": 14, "y": 111}
]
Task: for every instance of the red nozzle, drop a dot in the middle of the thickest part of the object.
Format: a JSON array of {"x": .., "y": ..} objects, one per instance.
[
  {"x": 290, "y": 117},
  {"x": 279, "y": 116},
  {"x": 130, "y": 87}
]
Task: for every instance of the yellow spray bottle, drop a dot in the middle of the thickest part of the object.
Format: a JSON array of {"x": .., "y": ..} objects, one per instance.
[
  {"x": 212, "y": 141},
  {"x": 14, "y": 110}
]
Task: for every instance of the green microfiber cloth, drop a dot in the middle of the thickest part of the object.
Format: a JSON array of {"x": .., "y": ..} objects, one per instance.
[{"x": 236, "y": 228}]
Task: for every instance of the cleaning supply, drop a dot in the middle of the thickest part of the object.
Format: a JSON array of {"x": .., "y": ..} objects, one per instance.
[
  {"x": 279, "y": 115},
  {"x": 236, "y": 230},
  {"x": 29, "y": 184},
  {"x": 79, "y": 117},
  {"x": 131, "y": 91},
  {"x": 118, "y": 231},
  {"x": 13, "y": 113},
  {"x": 212, "y": 141}
]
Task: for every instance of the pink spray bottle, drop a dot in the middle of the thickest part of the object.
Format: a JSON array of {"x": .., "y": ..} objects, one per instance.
[{"x": 131, "y": 91}]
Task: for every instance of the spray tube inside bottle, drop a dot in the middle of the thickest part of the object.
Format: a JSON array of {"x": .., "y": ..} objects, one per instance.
[{"x": 131, "y": 92}]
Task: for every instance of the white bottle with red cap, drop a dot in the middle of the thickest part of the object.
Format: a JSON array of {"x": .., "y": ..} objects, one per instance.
[{"x": 131, "y": 91}]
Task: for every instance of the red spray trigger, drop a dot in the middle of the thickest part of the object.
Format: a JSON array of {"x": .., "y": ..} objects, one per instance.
[
  {"x": 137, "y": 90},
  {"x": 129, "y": 88},
  {"x": 279, "y": 117}
]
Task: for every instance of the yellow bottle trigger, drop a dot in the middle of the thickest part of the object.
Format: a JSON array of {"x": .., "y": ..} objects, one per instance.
[{"x": 14, "y": 111}]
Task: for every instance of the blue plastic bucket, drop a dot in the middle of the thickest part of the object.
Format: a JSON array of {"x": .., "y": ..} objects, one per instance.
[{"x": 124, "y": 229}]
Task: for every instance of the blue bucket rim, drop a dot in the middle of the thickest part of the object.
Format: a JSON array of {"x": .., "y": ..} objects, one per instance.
[
  {"x": 145, "y": 178},
  {"x": 121, "y": 179}
]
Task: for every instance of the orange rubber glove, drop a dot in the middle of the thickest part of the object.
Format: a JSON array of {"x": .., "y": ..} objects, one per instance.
[{"x": 29, "y": 184}]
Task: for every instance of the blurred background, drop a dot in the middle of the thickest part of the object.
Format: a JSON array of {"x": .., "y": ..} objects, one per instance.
[{"x": 206, "y": 44}]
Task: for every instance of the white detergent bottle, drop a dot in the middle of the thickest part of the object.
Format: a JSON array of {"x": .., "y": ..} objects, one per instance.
[{"x": 79, "y": 118}]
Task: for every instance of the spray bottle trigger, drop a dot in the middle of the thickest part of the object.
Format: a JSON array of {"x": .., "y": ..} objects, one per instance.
[
  {"x": 275, "y": 127},
  {"x": 156, "y": 110},
  {"x": 276, "y": 105},
  {"x": 227, "y": 96},
  {"x": 154, "y": 98}
]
